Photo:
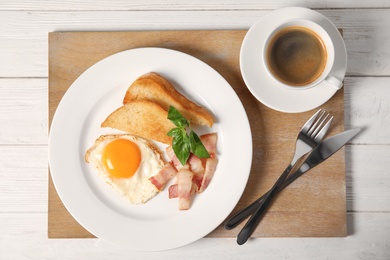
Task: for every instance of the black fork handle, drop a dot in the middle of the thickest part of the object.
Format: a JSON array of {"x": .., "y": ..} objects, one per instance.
[
  {"x": 240, "y": 216},
  {"x": 254, "y": 220}
]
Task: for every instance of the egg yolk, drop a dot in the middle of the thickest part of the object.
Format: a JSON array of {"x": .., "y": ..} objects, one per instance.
[{"x": 121, "y": 158}]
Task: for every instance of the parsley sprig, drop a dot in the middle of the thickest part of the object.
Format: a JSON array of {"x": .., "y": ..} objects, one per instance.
[{"x": 185, "y": 140}]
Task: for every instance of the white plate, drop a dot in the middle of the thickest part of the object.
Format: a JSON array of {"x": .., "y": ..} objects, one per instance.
[
  {"x": 158, "y": 224},
  {"x": 264, "y": 88}
]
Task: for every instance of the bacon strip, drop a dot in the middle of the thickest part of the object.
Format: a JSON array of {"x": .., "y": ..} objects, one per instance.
[
  {"x": 195, "y": 175},
  {"x": 184, "y": 188},
  {"x": 210, "y": 143},
  {"x": 172, "y": 156},
  {"x": 196, "y": 166},
  {"x": 211, "y": 166},
  {"x": 163, "y": 176},
  {"x": 173, "y": 191}
]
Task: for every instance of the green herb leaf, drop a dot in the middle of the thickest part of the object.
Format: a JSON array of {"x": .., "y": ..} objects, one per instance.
[
  {"x": 197, "y": 146},
  {"x": 176, "y": 117},
  {"x": 174, "y": 132},
  {"x": 181, "y": 145}
]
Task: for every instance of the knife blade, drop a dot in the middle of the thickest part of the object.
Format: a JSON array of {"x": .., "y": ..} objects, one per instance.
[{"x": 319, "y": 154}]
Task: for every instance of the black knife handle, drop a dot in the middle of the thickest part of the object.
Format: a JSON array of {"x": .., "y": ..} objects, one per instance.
[
  {"x": 252, "y": 223},
  {"x": 240, "y": 216}
]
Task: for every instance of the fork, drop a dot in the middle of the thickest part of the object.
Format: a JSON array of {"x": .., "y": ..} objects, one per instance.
[
  {"x": 302, "y": 148},
  {"x": 310, "y": 135}
]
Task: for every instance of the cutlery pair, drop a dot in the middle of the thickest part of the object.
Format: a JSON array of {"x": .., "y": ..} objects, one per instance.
[{"x": 308, "y": 142}]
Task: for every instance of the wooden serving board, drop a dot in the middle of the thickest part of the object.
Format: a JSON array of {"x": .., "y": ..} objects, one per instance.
[{"x": 312, "y": 206}]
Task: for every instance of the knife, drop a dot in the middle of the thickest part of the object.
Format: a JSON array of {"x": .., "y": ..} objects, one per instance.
[{"x": 319, "y": 154}]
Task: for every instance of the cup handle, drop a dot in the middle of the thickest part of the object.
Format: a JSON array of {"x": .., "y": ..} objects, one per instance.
[{"x": 333, "y": 82}]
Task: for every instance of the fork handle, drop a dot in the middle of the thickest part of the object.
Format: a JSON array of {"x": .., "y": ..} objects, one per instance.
[
  {"x": 240, "y": 216},
  {"x": 252, "y": 223}
]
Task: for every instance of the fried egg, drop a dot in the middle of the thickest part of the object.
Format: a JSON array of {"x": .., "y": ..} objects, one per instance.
[{"x": 126, "y": 162}]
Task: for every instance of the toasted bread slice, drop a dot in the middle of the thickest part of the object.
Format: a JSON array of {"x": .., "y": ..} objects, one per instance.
[
  {"x": 155, "y": 88},
  {"x": 143, "y": 118}
]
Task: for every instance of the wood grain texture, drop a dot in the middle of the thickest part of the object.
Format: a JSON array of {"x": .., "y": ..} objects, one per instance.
[
  {"x": 368, "y": 104},
  {"x": 23, "y": 109},
  {"x": 24, "y": 42},
  {"x": 24, "y": 105},
  {"x": 23, "y": 174},
  {"x": 24, "y": 28},
  {"x": 365, "y": 181},
  {"x": 24, "y": 181},
  {"x": 180, "y": 4},
  {"x": 274, "y": 133},
  {"x": 24, "y": 237}
]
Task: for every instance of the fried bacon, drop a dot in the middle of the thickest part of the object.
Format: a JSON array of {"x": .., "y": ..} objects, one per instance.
[
  {"x": 210, "y": 143},
  {"x": 196, "y": 166},
  {"x": 194, "y": 176},
  {"x": 184, "y": 188},
  {"x": 162, "y": 177},
  {"x": 172, "y": 156},
  {"x": 173, "y": 191},
  {"x": 211, "y": 166}
]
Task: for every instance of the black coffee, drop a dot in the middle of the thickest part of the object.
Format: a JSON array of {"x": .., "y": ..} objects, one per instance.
[{"x": 296, "y": 56}]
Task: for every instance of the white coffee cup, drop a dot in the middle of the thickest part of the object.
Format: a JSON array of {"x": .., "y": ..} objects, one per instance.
[{"x": 323, "y": 75}]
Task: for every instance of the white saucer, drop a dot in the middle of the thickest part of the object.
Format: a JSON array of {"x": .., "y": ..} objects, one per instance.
[{"x": 264, "y": 88}]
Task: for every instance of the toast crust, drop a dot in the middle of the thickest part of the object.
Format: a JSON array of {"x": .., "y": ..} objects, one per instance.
[
  {"x": 142, "y": 118},
  {"x": 155, "y": 88}
]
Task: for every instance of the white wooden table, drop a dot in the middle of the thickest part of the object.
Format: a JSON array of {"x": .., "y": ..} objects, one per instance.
[{"x": 24, "y": 27}]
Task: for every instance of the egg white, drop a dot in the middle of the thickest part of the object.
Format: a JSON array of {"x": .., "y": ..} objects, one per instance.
[{"x": 136, "y": 189}]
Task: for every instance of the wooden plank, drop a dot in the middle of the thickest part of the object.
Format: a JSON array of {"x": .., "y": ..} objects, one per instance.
[
  {"x": 120, "y": 5},
  {"x": 23, "y": 175},
  {"x": 24, "y": 181},
  {"x": 23, "y": 52},
  {"x": 24, "y": 33},
  {"x": 24, "y": 237},
  {"x": 367, "y": 104},
  {"x": 368, "y": 177},
  {"x": 274, "y": 133},
  {"x": 23, "y": 110},
  {"x": 23, "y": 105}
]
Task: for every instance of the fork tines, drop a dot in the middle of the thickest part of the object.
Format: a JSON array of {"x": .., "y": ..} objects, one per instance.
[{"x": 316, "y": 130}]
